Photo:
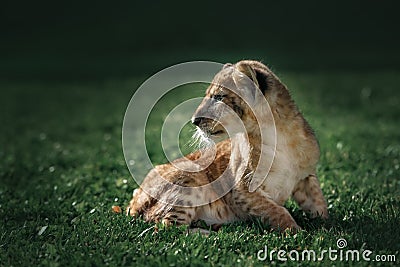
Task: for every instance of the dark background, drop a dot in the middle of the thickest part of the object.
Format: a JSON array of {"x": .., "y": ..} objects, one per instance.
[
  {"x": 69, "y": 69},
  {"x": 80, "y": 40}
]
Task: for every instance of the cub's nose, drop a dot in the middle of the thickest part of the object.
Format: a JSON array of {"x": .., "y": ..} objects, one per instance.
[{"x": 197, "y": 120}]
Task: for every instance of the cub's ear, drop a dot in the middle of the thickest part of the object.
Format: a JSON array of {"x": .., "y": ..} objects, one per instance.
[
  {"x": 248, "y": 71},
  {"x": 257, "y": 75},
  {"x": 251, "y": 81},
  {"x": 227, "y": 65}
]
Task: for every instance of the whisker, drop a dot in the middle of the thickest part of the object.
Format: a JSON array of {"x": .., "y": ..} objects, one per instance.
[{"x": 201, "y": 140}]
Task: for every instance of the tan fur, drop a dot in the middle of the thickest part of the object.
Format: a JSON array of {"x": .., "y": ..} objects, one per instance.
[{"x": 293, "y": 170}]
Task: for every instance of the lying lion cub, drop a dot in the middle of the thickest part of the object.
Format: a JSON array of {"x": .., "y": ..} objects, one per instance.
[{"x": 292, "y": 170}]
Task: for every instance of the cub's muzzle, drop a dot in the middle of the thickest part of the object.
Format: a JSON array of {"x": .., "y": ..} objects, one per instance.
[{"x": 197, "y": 120}]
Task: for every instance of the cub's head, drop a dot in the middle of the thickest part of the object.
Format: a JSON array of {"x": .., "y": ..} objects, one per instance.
[{"x": 239, "y": 92}]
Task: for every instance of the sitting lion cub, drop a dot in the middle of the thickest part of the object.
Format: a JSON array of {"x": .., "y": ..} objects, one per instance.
[{"x": 289, "y": 171}]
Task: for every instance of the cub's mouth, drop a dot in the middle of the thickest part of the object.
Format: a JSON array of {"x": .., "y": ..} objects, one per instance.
[
  {"x": 209, "y": 126},
  {"x": 217, "y": 132},
  {"x": 211, "y": 131}
]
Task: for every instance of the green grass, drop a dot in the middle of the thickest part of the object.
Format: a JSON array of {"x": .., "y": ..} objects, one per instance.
[{"x": 61, "y": 166}]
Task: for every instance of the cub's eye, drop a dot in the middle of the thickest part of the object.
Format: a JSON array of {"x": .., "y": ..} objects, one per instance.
[{"x": 218, "y": 97}]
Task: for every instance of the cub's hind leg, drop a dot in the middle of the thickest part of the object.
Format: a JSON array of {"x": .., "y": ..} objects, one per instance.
[
  {"x": 156, "y": 211},
  {"x": 308, "y": 195},
  {"x": 139, "y": 203},
  {"x": 178, "y": 216}
]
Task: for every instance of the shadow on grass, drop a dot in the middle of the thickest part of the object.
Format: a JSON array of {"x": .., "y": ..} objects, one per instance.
[{"x": 366, "y": 231}]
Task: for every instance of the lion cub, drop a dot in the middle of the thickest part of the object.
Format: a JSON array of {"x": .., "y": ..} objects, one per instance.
[{"x": 289, "y": 159}]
